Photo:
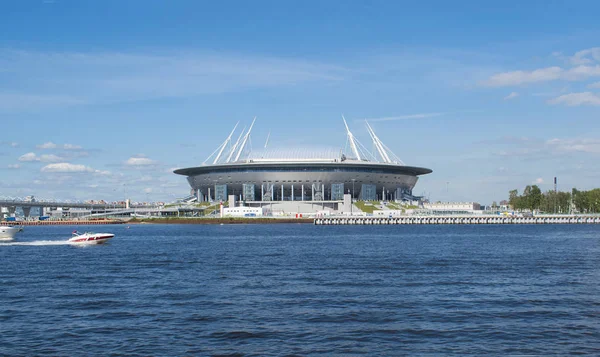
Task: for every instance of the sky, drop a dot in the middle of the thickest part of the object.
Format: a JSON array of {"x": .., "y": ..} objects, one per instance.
[{"x": 103, "y": 99}]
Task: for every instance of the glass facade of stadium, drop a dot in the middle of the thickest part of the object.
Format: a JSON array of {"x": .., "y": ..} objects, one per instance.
[{"x": 303, "y": 181}]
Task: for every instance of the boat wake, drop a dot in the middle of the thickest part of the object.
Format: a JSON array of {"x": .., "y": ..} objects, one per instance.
[{"x": 38, "y": 242}]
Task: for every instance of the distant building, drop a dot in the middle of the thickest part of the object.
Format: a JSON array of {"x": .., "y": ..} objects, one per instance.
[
  {"x": 452, "y": 207},
  {"x": 389, "y": 213},
  {"x": 242, "y": 211}
]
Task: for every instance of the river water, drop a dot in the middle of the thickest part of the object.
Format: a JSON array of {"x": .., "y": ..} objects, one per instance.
[{"x": 303, "y": 290}]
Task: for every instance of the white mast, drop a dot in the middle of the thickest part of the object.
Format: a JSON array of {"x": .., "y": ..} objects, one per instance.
[
  {"x": 378, "y": 144},
  {"x": 352, "y": 140},
  {"x": 267, "y": 141},
  {"x": 225, "y": 144},
  {"x": 244, "y": 141},
  {"x": 237, "y": 142}
]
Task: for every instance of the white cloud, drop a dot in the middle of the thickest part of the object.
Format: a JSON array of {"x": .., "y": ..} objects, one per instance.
[
  {"x": 148, "y": 190},
  {"x": 539, "y": 181},
  {"x": 548, "y": 149},
  {"x": 586, "y": 56},
  {"x": 523, "y": 77},
  {"x": 582, "y": 72},
  {"x": 9, "y": 143},
  {"x": 71, "y": 147},
  {"x": 51, "y": 145},
  {"x": 170, "y": 184},
  {"x": 48, "y": 145},
  {"x": 574, "y": 145},
  {"x": 577, "y": 99},
  {"x": 594, "y": 85},
  {"x": 409, "y": 116},
  {"x": 14, "y": 166},
  {"x": 511, "y": 96},
  {"x": 50, "y": 158},
  {"x": 517, "y": 78},
  {"x": 139, "y": 161},
  {"x": 30, "y": 156},
  {"x": 582, "y": 63},
  {"x": 66, "y": 167}
]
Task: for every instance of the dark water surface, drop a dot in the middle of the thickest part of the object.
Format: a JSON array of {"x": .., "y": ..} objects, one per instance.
[{"x": 303, "y": 290}]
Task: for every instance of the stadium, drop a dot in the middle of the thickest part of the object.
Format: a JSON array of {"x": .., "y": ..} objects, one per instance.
[{"x": 312, "y": 175}]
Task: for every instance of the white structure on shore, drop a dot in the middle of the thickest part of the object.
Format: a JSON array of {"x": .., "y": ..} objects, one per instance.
[
  {"x": 453, "y": 206},
  {"x": 242, "y": 211}
]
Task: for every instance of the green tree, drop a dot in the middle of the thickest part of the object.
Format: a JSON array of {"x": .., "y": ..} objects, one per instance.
[
  {"x": 513, "y": 199},
  {"x": 555, "y": 202},
  {"x": 580, "y": 199},
  {"x": 559, "y": 202},
  {"x": 594, "y": 200},
  {"x": 535, "y": 198},
  {"x": 563, "y": 202}
]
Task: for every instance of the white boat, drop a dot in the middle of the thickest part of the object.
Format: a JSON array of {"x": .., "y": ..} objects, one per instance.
[
  {"x": 90, "y": 238},
  {"x": 8, "y": 233}
]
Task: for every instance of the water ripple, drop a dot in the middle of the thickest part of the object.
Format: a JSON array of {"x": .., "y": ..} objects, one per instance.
[{"x": 299, "y": 290}]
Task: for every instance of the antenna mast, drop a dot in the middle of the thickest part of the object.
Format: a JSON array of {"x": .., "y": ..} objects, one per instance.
[
  {"x": 378, "y": 144},
  {"x": 228, "y": 140},
  {"x": 351, "y": 139},
  {"x": 237, "y": 142},
  {"x": 267, "y": 141},
  {"x": 244, "y": 141}
]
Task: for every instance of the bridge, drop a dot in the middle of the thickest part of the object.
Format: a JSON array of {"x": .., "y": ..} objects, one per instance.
[{"x": 8, "y": 205}]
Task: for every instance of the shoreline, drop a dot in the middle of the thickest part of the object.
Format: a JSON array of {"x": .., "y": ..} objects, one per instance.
[
  {"x": 226, "y": 220},
  {"x": 334, "y": 220}
]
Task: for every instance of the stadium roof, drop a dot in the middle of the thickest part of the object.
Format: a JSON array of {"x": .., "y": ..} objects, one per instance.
[{"x": 240, "y": 150}]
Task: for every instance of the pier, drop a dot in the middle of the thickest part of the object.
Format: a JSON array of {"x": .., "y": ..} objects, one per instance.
[{"x": 420, "y": 220}]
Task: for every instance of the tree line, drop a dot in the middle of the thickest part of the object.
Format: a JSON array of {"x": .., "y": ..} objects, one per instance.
[{"x": 534, "y": 199}]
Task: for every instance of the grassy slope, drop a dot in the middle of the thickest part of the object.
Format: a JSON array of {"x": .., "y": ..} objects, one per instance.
[{"x": 365, "y": 208}]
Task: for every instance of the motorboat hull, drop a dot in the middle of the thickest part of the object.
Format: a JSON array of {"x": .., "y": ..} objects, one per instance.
[
  {"x": 8, "y": 233},
  {"x": 91, "y": 238}
]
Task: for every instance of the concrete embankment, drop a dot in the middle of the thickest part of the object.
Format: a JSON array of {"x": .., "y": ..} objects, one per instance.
[
  {"x": 226, "y": 220},
  {"x": 559, "y": 219},
  {"x": 64, "y": 223}
]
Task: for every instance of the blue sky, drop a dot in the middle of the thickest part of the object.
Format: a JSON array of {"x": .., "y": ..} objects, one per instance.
[{"x": 102, "y": 99}]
